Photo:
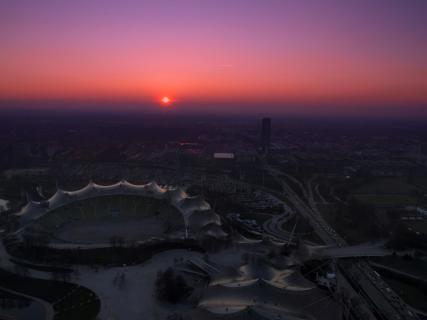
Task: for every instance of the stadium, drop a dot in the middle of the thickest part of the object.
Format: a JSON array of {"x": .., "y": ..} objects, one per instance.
[{"x": 96, "y": 214}]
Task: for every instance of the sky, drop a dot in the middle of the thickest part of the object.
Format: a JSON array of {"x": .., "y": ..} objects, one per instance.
[{"x": 277, "y": 56}]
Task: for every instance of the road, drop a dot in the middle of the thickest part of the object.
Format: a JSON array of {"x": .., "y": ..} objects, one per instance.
[{"x": 378, "y": 295}]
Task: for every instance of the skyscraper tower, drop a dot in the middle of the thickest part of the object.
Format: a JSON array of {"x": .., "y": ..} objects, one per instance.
[{"x": 265, "y": 134}]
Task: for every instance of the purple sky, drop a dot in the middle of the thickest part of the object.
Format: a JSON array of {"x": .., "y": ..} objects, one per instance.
[{"x": 335, "y": 56}]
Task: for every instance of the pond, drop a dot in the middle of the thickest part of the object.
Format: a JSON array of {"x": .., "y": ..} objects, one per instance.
[{"x": 13, "y": 306}]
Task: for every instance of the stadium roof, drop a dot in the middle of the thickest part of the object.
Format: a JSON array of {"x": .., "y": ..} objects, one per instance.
[{"x": 196, "y": 211}]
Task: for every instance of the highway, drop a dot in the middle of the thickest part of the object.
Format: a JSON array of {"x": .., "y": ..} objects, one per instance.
[{"x": 382, "y": 300}]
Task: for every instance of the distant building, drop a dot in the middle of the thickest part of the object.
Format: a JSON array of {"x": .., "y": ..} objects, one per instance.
[
  {"x": 265, "y": 134},
  {"x": 223, "y": 155},
  {"x": 224, "y": 160}
]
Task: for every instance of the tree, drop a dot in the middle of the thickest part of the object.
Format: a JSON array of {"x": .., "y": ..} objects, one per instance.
[
  {"x": 170, "y": 287},
  {"x": 117, "y": 241},
  {"x": 21, "y": 270}
]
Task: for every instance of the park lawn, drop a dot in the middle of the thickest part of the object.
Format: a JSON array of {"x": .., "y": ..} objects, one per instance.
[
  {"x": 386, "y": 186},
  {"x": 348, "y": 231},
  {"x": 313, "y": 237},
  {"x": 420, "y": 182},
  {"x": 387, "y": 200},
  {"x": 416, "y": 225},
  {"x": 416, "y": 267},
  {"x": 302, "y": 225},
  {"x": 111, "y": 256},
  {"x": 302, "y": 229},
  {"x": 62, "y": 295},
  {"x": 260, "y": 218},
  {"x": 410, "y": 293}
]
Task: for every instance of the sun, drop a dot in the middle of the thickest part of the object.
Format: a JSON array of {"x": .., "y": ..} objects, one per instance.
[{"x": 166, "y": 100}]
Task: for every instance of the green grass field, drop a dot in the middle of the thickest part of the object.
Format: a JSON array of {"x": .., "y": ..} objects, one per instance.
[
  {"x": 386, "y": 186},
  {"x": 410, "y": 293},
  {"x": 260, "y": 218},
  {"x": 387, "y": 200},
  {"x": 302, "y": 229},
  {"x": 385, "y": 192},
  {"x": 417, "y": 225},
  {"x": 302, "y": 226},
  {"x": 108, "y": 207},
  {"x": 416, "y": 267},
  {"x": 69, "y": 301},
  {"x": 419, "y": 182}
]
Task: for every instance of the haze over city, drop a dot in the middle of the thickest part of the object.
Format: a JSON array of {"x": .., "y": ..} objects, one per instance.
[{"x": 213, "y": 160}]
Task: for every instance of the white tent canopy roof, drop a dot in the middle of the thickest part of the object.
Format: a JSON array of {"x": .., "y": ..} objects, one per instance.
[{"x": 192, "y": 208}]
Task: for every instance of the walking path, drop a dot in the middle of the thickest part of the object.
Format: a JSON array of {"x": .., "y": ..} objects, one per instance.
[{"x": 47, "y": 306}]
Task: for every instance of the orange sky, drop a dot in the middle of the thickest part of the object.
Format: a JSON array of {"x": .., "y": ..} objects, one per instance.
[{"x": 231, "y": 51}]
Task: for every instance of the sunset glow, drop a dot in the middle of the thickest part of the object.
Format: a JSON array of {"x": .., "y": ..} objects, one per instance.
[
  {"x": 212, "y": 52},
  {"x": 166, "y": 100}
]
